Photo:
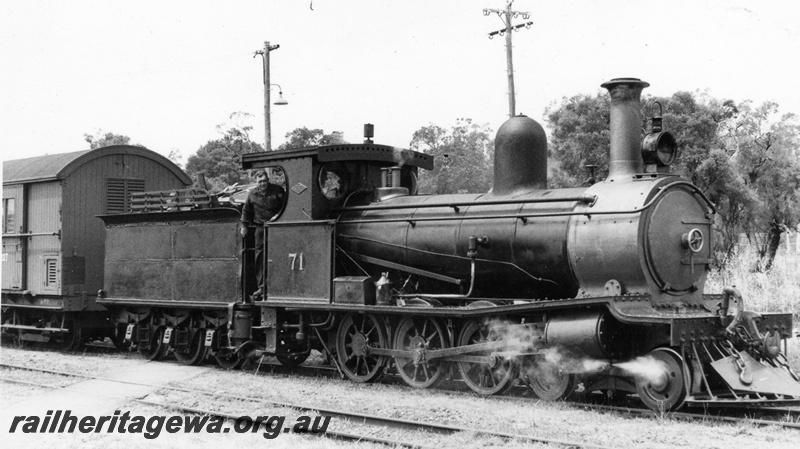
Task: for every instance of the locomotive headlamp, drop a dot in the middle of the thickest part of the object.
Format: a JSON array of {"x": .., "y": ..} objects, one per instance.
[{"x": 659, "y": 147}]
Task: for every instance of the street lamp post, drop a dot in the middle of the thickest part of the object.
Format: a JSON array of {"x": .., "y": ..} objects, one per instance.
[{"x": 267, "y": 102}]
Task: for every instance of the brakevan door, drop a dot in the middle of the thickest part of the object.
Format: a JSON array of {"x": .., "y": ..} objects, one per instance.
[
  {"x": 13, "y": 250},
  {"x": 43, "y": 236}
]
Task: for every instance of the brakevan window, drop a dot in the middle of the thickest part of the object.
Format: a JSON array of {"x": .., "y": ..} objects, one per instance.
[
  {"x": 118, "y": 194},
  {"x": 51, "y": 272},
  {"x": 8, "y": 215}
]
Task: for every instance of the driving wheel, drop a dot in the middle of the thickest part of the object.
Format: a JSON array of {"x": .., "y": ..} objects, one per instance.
[
  {"x": 357, "y": 334},
  {"x": 420, "y": 335},
  {"x": 486, "y": 379}
]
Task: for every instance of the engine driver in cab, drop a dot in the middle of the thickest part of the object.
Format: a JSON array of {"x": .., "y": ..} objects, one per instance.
[{"x": 262, "y": 204}]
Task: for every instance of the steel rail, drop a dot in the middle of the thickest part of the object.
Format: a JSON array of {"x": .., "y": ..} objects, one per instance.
[
  {"x": 693, "y": 416},
  {"x": 352, "y": 416},
  {"x": 630, "y": 410},
  {"x": 195, "y": 411}
]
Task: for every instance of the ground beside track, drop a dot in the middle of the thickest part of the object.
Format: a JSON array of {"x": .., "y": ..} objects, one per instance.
[{"x": 558, "y": 420}]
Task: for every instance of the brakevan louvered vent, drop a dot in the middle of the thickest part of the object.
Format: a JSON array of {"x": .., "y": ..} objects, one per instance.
[
  {"x": 118, "y": 194},
  {"x": 51, "y": 272}
]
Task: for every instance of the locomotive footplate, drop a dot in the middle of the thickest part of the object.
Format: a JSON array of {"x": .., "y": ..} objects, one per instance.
[
  {"x": 706, "y": 329},
  {"x": 514, "y": 306}
]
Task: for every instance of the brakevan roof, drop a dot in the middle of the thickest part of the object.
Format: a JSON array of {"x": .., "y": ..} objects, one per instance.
[{"x": 58, "y": 166}]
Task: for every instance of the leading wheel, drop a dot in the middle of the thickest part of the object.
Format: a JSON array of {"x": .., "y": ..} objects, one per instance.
[
  {"x": 155, "y": 348},
  {"x": 419, "y": 335},
  {"x": 548, "y": 382},
  {"x": 196, "y": 351},
  {"x": 357, "y": 334},
  {"x": 485, "y": 379},
  {"x": 664, "y": 387}
]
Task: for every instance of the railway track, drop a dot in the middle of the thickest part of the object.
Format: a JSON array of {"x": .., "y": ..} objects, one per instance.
[
  {"x": 358, "y": 419},
  {"x": 790, "y": 417},
  {"x": 778, "y": 416},
  {"x": 786, "y": 416}
]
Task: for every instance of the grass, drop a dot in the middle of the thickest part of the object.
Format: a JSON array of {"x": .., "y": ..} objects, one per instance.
[{"x": 775, "y": 291}]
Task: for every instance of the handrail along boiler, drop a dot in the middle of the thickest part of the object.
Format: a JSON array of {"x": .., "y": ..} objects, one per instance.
[{"x": 599, "y": 286}]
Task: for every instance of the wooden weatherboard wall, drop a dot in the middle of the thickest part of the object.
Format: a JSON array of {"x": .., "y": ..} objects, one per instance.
[{"x": 65, "y": 194}]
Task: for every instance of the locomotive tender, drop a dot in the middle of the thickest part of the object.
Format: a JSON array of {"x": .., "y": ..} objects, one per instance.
[{"x": 601, "y": 286}]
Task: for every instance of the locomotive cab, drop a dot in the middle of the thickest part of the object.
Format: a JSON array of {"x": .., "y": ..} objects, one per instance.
[{"x": 320, "y": 181}]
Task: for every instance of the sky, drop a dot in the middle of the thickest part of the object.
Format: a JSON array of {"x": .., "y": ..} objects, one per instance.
[{"x": 167, "y": 73}]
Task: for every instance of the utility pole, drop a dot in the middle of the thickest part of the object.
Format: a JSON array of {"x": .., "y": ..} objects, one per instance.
[
  {"x": 267, "y": 124},
  {"x": 506, "y": 16}
]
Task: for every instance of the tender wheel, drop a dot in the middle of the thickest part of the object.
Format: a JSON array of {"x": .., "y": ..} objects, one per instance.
[
  {"x": 481, "y": 378},
  {"x": 118, "y": 337},
  {"x": 195, "y": 353},
  {"x": 156, "y": 349},
  {"x": 357, "y": 334},
  {"x": 420, "y": 334},
  {"x": 548, "y": 382},
  {"x": 665, "y": 388}
]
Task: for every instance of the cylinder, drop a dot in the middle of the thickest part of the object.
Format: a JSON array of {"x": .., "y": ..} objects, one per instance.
[
  {"x": 626, "y": 127},
  {"x": 589, "y": 333}
]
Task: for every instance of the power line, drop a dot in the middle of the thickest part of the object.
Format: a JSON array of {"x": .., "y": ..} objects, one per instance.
[{"x": 506, "y": 16}]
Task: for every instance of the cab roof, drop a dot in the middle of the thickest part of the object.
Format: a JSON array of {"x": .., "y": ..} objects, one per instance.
[{"x": 344, "y": 152}]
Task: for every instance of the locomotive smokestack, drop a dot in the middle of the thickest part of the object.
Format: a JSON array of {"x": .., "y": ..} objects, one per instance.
[
  {"x": 520, "y": 156},
  {"x": 626, "y": 127}
]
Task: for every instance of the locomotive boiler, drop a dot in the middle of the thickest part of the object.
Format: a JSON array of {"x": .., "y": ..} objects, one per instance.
[
  {"x": 635, "y": 233},
  {"x": 597, "y": 288}
]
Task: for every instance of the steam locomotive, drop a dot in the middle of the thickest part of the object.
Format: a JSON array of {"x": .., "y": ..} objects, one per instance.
[{"x": 597, "y": 288}]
